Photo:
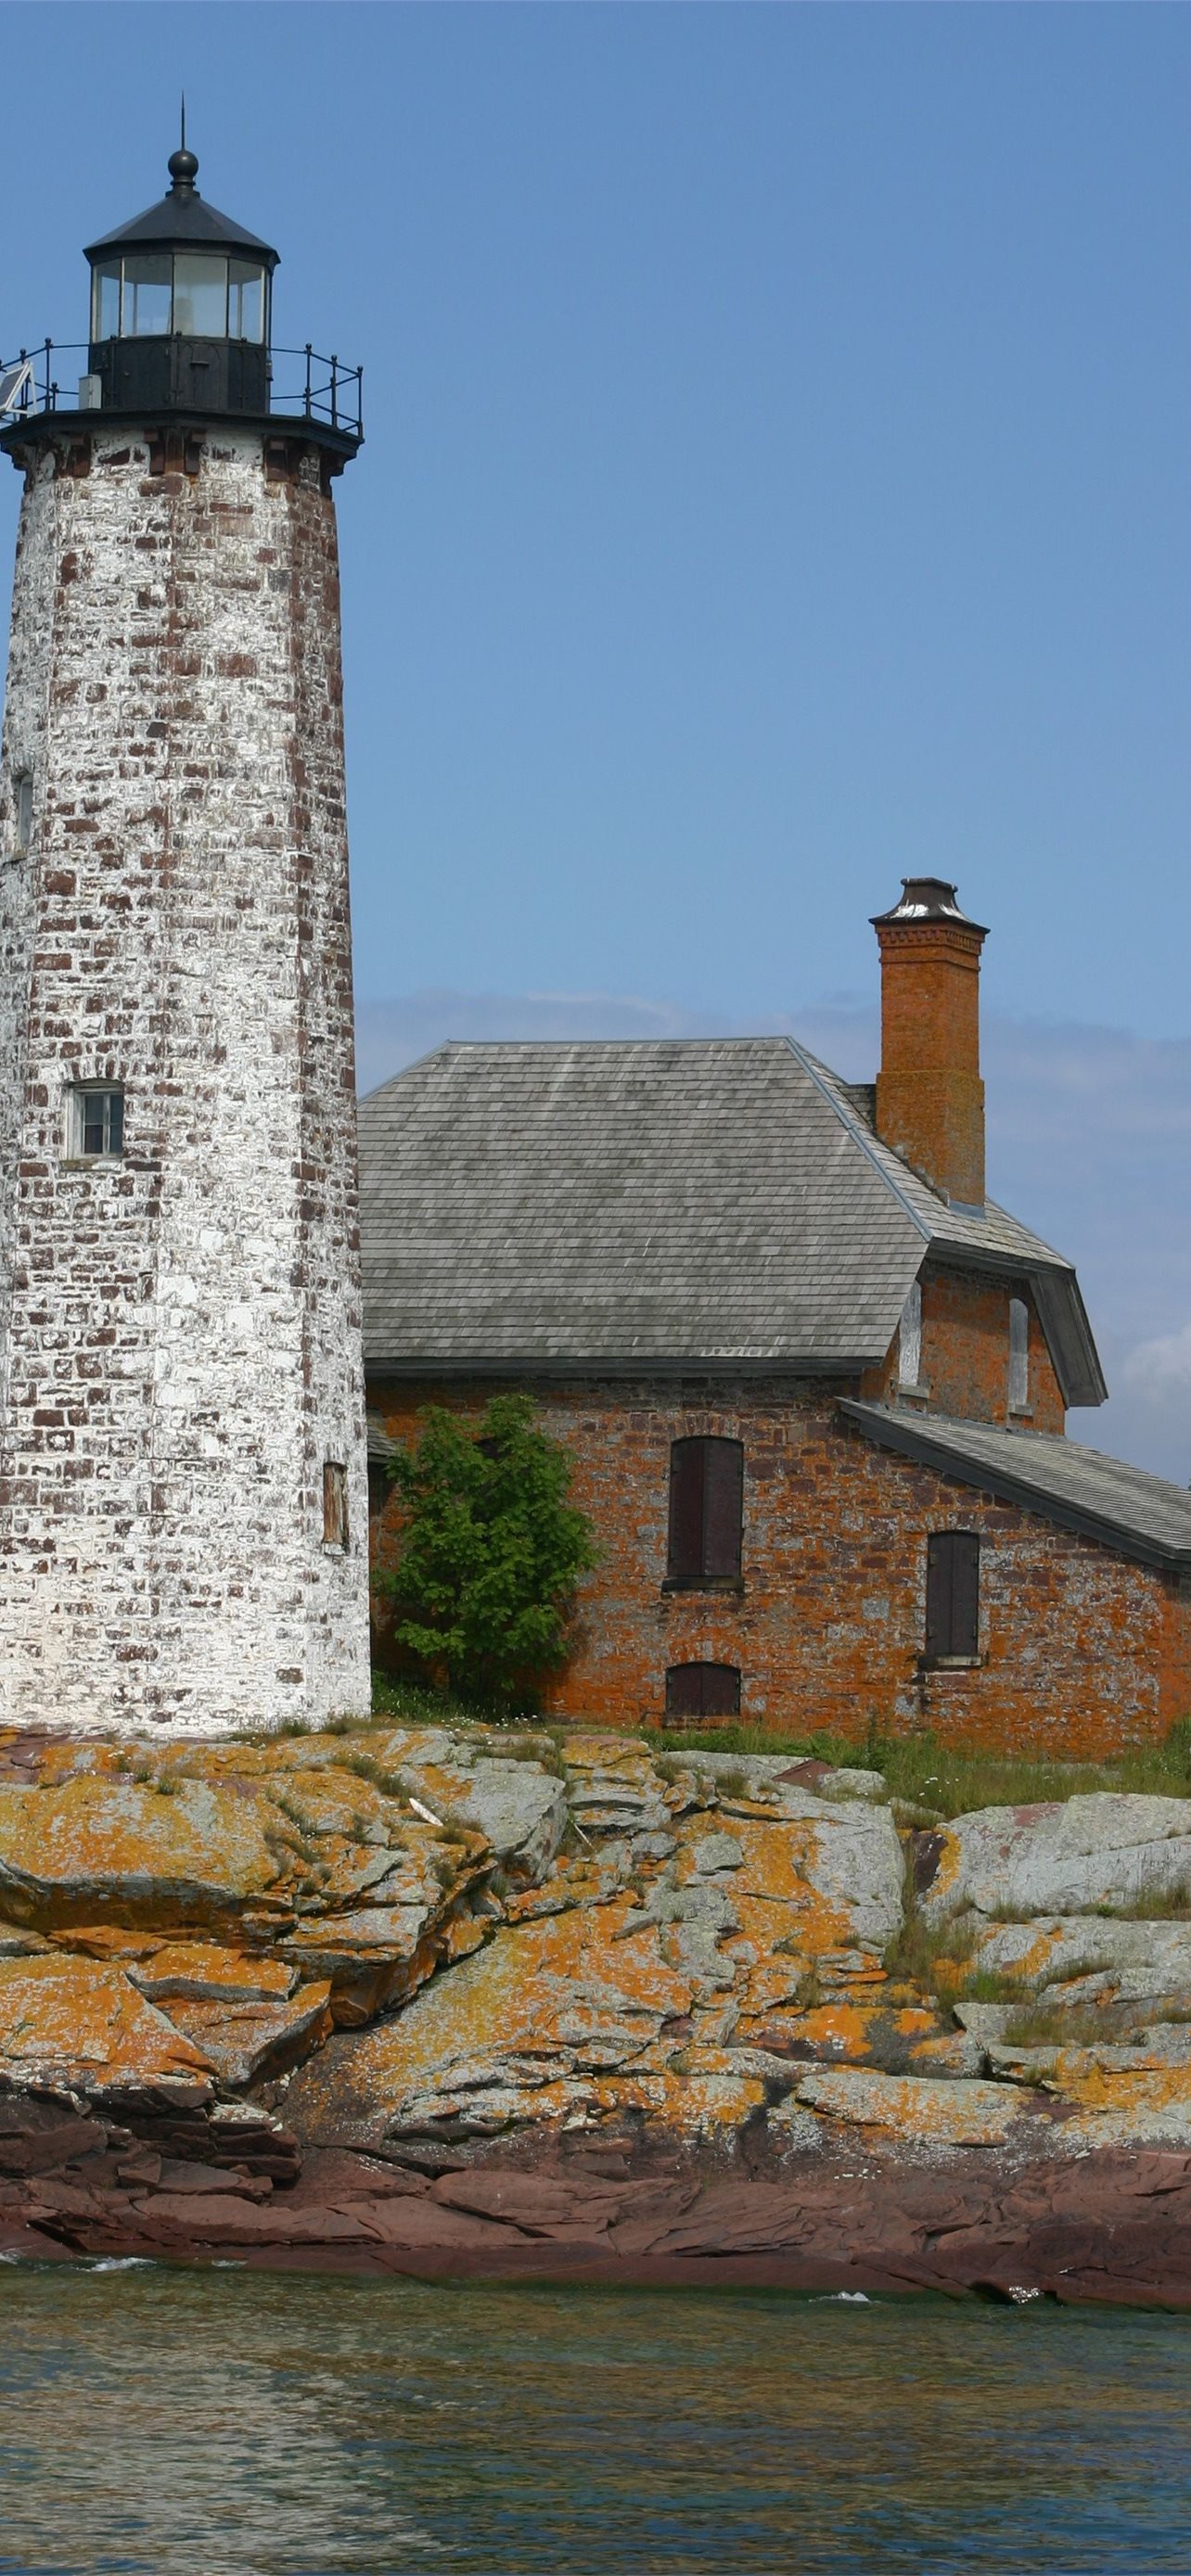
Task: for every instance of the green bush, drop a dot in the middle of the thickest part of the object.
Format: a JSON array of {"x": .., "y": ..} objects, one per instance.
[{"x": 490, "y": 1552}]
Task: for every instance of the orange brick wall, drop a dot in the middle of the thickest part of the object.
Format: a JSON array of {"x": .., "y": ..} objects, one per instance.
[
  {"x": 930, "y": 1098},
  {"x": 965, "y": 1352},
  {"x": 1084, "y": 1651}
]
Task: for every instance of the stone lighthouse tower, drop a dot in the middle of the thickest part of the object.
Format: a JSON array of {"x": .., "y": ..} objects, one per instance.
[{"x": 183, "y": 1517}]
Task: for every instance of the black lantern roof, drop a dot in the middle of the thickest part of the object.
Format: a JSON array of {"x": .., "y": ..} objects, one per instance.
[
  {"x": 181, "y": 332},
  {"x": 182, "y": 215}
]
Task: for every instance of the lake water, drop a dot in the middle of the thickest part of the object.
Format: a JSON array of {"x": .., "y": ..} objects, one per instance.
[{"x": 229, "y": 2423}]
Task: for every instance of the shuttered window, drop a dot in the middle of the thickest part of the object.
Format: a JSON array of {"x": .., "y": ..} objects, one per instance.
[
  {"x": 952, "y": 1596},
  {"x": 334, "y": 1505},
  {"x": 706, "y": 1509},
  {"x": 703, "y": 1690}
]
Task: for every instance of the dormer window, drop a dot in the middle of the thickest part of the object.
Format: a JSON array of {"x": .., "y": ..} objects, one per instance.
[
  {"x": 909, "y": 1340},
  {"x": 1019, "y": 1355}
]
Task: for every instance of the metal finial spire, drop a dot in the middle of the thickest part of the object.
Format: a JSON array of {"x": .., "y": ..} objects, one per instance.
[{"x": 182, "y": 165}]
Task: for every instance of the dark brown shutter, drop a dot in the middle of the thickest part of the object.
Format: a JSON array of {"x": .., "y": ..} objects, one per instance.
[
  {"x": 334, "y": 1505},
  {"x": 965, "y": 1593},
  {"x": 723, "y": 1505},
  {"x": 952, "y": 1594},
  {"x": 684, "y": 1691},
  {"x": 702, "y": 1690},
  {"x": 706, "y": 1505},
  {"x": 685, "y": 1564}
]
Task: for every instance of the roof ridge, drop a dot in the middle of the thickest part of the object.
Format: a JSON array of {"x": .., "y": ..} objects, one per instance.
[{"x": 825, "y": 1080}]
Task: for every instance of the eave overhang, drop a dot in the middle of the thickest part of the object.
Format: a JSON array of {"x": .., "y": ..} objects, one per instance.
[{"x": 910, "y": 1436}]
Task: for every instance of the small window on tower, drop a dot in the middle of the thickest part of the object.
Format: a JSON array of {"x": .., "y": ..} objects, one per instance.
[
  {"x": 334, "y": 1506},
  {"x": 1019, "y": 1355},
  {"x": 22, "y": 799},
  {"x": 94, "y": 1125}
]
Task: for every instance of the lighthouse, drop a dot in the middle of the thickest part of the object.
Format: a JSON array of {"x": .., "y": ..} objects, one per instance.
[{"x": 183, "y": 1484}]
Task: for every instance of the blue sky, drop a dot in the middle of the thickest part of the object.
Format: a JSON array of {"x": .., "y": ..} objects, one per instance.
[{"x": 779, "y": 440}]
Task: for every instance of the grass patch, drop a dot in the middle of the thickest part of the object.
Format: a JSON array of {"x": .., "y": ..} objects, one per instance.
[
  {"x": 1171, "y": 1905},
  {"x": 919, "y": 1770},
  {"x": 927, "y": 1954},
  {"x": 941, "y": 1959},
  {"x": 363, "y": 1766},
  {"x": 1043, "y": 2025},
  {"x": 691, "y": 1741},
  {"x": 925, "y": 1773},
  {"x": 304, "y": 1825},
  {"x": 419, "y": 1705},
  {"x": 542, "y": 1749}
]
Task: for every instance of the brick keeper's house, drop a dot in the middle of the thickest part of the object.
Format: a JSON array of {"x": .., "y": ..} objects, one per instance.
[{"x": 813, "y": 1380}]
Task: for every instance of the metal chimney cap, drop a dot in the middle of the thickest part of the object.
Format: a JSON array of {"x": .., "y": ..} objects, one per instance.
[{"x": 927, "y": 899}]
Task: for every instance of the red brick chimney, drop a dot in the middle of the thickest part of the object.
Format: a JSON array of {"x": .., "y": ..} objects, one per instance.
[{"x": 930, "y": 1098}]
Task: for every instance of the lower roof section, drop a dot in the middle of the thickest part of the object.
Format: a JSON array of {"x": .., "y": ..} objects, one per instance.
[{"x": 1101, "y": 1498}]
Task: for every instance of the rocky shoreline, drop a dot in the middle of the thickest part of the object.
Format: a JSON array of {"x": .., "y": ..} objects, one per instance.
[
  {"x": 396, "y": 1999},
  {"x": 1112, "y": 2226}
]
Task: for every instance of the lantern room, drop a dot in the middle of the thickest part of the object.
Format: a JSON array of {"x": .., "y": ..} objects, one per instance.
[{"x": 180, "y": 308}]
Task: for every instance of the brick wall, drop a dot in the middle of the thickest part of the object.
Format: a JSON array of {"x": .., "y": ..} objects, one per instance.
[
  {"x": 181, "y": 1343},
  {"x": 1084, "y": 1652},
  {"x": 929, "y": 1096}
]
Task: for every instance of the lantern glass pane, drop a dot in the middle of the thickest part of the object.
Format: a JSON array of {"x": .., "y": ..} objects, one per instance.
[
  {"x": 146, "y": 296},
  {"x": 105, "y": 300},
  {"x": 200, "y": 295},
  {"x": 245, "y": 301}
]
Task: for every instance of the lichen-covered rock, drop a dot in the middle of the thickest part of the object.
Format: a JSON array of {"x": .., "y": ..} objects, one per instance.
[
  {"x": 525, "y": 2026},
  {"x": 516, "y": 1805},
  {"x": 250, "y": 2038},
  {"x": 203, "y": 1972},
  {"x": 1078, "y": 1957},
  {"x": 1063, "y": 1858},
  {"x": 612, "y": 1786},
  {"x": 1137, "y": 2092},
  {"x": 375, "y": 1955},
  {"x": 69, "y": 2024},
  {"x": 692, "y": 1948},
  {"x": 72, "y": 1849},
  {"x": 911, "y": 2108}
]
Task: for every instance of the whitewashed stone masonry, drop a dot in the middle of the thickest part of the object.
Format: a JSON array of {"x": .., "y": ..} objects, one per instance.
[{"x": 180, "y": 1326}]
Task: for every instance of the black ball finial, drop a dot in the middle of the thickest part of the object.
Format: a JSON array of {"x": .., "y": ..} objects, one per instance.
[{"x": 183, "y": 170}]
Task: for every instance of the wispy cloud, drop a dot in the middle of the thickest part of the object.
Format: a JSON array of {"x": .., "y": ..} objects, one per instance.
[{"x": 1089, "y": 1133}]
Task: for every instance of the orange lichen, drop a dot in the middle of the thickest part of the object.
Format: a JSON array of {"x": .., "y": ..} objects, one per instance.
[{"x": 71, "y": 2022}]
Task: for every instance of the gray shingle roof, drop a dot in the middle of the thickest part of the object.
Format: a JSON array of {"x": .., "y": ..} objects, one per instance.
[
  {"x": 381, "y": 1447},
  {"x": 1081, "y": 1489},
  {"x": 636, "y": 1204}
]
